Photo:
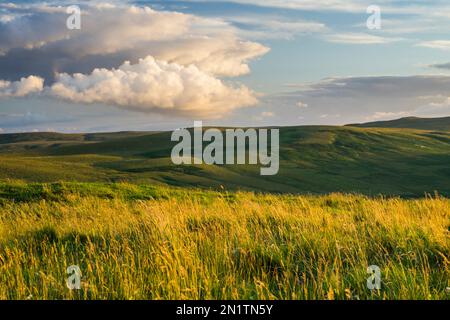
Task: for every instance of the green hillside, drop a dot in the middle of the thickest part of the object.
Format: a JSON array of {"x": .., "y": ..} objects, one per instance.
[
  {"x": 442, "y": 124},
  {"x": 314, "y": 159}
]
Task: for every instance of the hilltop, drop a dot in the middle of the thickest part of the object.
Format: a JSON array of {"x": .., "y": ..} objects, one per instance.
[{"x": 442, "y": 124}]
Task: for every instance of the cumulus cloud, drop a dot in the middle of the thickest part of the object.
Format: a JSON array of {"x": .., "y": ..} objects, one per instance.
[
  {"x": 174, "y": 62},
  {"x": 152, "y": 85},
  {"x": 21, "y": 88},
  {"x": 220, "y": 56},
  {"x": 113, "y": 34}
]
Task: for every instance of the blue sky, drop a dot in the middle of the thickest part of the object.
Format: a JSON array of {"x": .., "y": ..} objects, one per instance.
[
  {"x": 242, "y": 62},
  {"x": 309, "y": 56}
]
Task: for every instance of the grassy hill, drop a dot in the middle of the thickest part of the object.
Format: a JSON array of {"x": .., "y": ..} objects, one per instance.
[
  {"x": 442, "y": 124},
  {"x": 314, "y": 159}
]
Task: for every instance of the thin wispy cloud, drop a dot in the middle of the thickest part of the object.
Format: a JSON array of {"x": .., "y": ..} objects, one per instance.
[
  {"x": 359, "y": 38},
  {"x": 399, "y": 7},
  {"x": 436, "y": 44},
  {"x": 267, "y": 27},
  {"x": 326, "y": 5}
]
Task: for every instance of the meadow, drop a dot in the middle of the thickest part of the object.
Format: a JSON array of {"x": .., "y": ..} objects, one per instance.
[{"x": 136, "y": 241}]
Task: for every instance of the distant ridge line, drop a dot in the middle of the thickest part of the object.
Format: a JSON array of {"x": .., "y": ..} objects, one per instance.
[{"x": 440, "y": 124}]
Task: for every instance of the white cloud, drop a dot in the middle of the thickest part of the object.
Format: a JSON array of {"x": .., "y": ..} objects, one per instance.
[
  {"x": 176, "y": 59},
  {"x": 221, "y": 56},
  {"x": 25, "y": 86},
  {"x": 113, "y": 34},
  {"x": 359, "y": 38},
  {"x": 152, "y": 85},
  {"x": 386, "y": 115},
  {"x": 436, "y": 44},
  {"x": 323, "y": 5},
  {"x": 444, "y": 102},
  {"x": 296, "y": 26},
  {"x": 270, "y": 27},
  {"x": 400, "y": 7},
  {"x": 263, "y": 116},
  {"x": 5, "y": 18},
  {"x": 410, "y": 25}
]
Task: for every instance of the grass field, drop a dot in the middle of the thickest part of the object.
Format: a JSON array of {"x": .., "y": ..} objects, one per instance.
[
  {"x": 141, "y": 228},
  {"x": 147, "y": 242}
]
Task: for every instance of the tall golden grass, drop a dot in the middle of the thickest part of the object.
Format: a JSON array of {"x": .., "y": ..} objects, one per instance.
[{"x": 242, "y": 247}]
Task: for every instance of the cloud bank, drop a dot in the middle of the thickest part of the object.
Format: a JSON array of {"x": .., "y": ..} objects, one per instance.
[
  {"x": 355, "y": 99},
  {"x": 118, "y": 33},
  {"x": 128, "y": 56}
]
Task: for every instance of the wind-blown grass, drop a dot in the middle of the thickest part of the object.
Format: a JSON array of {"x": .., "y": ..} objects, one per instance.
[{"x": 139, "y": 242}]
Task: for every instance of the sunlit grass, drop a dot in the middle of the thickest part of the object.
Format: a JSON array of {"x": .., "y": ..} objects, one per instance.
[{"x": 137, "y": 242}]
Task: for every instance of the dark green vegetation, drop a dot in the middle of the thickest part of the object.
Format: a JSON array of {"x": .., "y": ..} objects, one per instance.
[
  {"x": 442, "y": 124},
  {"x": 314, "y": 159}
]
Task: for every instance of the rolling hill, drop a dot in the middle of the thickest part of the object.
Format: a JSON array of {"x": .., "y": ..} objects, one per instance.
[
  {"x": 313, "y": 159},
  {"x": 442, "y": 124}
]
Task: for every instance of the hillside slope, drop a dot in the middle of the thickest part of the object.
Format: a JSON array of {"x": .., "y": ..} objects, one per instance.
[
  {"x": 439, "y": 124},
  {"x": 314, "y": 159}
]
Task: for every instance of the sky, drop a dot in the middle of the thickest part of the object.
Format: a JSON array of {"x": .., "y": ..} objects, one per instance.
[{"x": 160, "y": 65}]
